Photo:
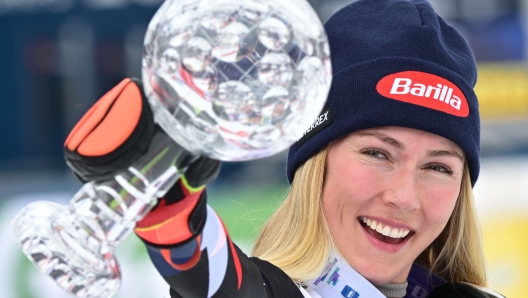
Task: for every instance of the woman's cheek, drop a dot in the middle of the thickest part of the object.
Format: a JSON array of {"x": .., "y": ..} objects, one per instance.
[{"x": 439, "y": 207}]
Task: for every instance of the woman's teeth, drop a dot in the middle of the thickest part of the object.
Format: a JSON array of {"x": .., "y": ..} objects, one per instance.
[{"x": 385, "y": 230}]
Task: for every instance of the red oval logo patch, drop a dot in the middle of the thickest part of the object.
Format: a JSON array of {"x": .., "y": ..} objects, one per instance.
[{"x": 426, "y": 90}]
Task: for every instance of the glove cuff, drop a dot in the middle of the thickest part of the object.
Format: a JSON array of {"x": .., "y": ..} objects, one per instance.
[{"x": 168, "y": 225}]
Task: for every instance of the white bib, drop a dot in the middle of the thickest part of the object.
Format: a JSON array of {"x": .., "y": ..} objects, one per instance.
[{"x": 339, "y": 279}]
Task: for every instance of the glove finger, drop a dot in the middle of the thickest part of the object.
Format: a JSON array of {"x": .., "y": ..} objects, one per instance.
[{"x": 202, "y": 171}]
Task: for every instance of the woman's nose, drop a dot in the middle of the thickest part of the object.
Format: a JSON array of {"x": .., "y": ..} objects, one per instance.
[{"x": 402, "y": 191}]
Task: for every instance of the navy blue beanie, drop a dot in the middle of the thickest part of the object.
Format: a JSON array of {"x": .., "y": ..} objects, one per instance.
[{"x": 396, "y": 63}]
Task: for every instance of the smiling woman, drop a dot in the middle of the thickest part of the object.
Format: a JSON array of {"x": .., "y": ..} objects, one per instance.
[{"x": 386, "y": 185}]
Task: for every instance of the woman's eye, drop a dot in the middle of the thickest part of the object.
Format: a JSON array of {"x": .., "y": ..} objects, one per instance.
[
  {"x": 440, "y": 168},
  {"x": 377, "y": 154}
]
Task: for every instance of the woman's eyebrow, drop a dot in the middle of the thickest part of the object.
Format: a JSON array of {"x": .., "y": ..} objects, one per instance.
[
  {"x": 391, "y": 141},
  {"x": 383, "y": 138},
  {"x": 446, "y": 153}
]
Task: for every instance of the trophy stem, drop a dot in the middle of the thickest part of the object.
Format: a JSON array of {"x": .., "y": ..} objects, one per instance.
[
  {"x": 74, "y": 244},
  {"x": 109, "y": 210}
]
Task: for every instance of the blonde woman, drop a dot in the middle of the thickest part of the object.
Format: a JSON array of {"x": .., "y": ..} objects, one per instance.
[{"x": 381, "y": 198}]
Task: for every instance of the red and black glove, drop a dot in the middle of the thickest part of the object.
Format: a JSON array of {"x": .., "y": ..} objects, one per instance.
[
  {"x": 114, "y": 133},
  {"x": 180, "y": 215},
  {"x": 117, "y": 131}
]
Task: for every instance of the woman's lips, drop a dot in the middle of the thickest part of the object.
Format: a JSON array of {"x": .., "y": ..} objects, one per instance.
[{"x": 385, "y": 237}]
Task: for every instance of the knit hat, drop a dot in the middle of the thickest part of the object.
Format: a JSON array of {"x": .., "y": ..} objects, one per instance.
[{"x": 396, "y": 63}]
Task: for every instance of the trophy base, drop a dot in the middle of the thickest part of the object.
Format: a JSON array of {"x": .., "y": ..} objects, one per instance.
[{"x": 50, "y": 237}]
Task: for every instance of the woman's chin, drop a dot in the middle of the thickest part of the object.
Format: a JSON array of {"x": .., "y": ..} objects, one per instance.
[{"x": 378, "y": 280}]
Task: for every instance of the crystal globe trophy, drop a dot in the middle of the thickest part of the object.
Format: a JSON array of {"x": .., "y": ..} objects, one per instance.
[{"x": 232, "y": 80}]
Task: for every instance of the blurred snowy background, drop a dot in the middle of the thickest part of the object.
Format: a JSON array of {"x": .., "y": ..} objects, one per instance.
[{"x": 57, "y": 57}]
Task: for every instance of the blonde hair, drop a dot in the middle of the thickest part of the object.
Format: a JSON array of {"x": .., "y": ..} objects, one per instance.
[{"x": 296, "y": 236}]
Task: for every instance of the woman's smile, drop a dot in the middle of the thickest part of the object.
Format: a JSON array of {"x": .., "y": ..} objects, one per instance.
[{"x": 386, "y": 237}]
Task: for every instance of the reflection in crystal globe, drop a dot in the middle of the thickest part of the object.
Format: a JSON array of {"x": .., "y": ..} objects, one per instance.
[
  {"x": 234, "y": 42},
  {"x": 203, "y": 128},
  {"x": 311, "y": 68},
  {"x": 234, "y": 101},
  {"x": 275, "y": 104},
  {"x": 167, "y": 94},
  {"x": 171, "y": 61},
  {"x": 275, "y": 69},
  {"x": 196, "y": 54},
  {"x": 253, "y": 11},
  {"x": 217, "y": 20},
  {"x": 178, "y": 30},
  {"x": 243, "y": 75},
  {"x": 274, "y": 33},
  {"x": 206, "y": 80},
  {"x": 179, "y": 38},
  {"x": 306, "y": 45},
  {"x": 264, "y": 137}
]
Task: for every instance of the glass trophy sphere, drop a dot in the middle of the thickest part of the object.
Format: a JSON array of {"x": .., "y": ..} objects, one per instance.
[{"x": 236, "y": 79}]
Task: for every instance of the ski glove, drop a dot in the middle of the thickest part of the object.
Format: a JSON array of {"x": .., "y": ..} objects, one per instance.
[{"x": 180, "y": 215}]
